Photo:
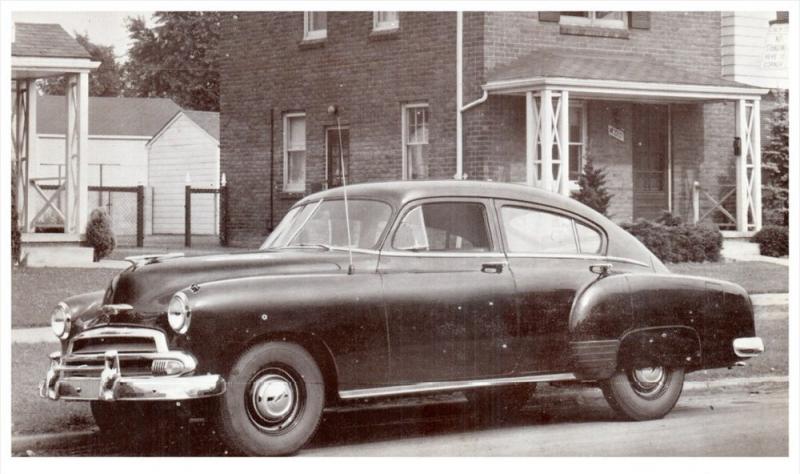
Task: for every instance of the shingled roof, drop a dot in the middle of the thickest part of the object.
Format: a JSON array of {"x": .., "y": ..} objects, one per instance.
[
  {"x": 598, "y": 65},
  {"x": 208, "y": 121},
  {"x": 45, "y": 40},
  {"x": 127, "y": 116}
]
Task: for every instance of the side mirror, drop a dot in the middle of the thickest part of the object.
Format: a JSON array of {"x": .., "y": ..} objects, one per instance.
[{"x": 601, "y": 269}]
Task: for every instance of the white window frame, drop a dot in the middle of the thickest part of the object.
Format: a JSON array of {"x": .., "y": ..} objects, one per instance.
[
  {"x": 288, "y": 187},
  {"x": 573, "y": 183},
  {"x": 404, "y": 122},
  {"x": 308, "y": 33},
  {"x": 378, "y": 25},
  {"x": 592, "y": 20}
]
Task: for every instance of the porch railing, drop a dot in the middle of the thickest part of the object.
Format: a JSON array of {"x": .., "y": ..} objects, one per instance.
[{"x": 718, "y": 205}]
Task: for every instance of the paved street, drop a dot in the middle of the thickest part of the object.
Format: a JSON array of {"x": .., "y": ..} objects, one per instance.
[{"x": 741, "y": 420}]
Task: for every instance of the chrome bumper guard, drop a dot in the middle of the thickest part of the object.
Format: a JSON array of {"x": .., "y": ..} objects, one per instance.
[
  {"x": 748, "y": 346},
  {"x": 61, "y": 383}
]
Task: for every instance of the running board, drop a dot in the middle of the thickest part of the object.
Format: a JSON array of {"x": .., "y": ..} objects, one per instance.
[{"x": 426, "y": 387}]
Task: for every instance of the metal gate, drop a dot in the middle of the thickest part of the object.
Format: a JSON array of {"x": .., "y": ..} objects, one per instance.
[{"x": 220, "y": 212}]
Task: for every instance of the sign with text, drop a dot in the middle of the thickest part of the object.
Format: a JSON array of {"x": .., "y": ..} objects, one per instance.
[{"x": 617, "y": 133}]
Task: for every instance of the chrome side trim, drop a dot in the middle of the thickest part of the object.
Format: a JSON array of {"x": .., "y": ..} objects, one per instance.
[
  {"x": 426, "y": 387},
  {"x": 426, "y": 254},
  {"x": 748, "y": 346},
  {"x": 158, "y": 337},
  {"x": 594, "y": 258}
]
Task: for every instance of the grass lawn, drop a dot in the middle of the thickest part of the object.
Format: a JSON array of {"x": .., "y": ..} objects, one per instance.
[
  {"x": 35, "y": 291},
  {"x": 31, "y": 413},
  {"x": 755, "y": 277}
]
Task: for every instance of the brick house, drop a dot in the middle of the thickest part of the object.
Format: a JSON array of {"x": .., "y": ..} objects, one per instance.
[{"x": 505, "y": 96}]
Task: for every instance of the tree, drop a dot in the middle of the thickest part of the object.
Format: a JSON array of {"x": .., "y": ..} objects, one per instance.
[
  {"x": 105, "y": 81},
  {"x": 178, "y": 58},
  {"x": 593, "y": 190},
  {"x": 775, "y": 165}
]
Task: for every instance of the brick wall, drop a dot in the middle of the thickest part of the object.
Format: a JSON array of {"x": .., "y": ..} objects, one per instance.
[{"x": 267, "y": 66}]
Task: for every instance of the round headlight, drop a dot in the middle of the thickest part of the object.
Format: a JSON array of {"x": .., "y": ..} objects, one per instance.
[
  {"x": 178, "y": 313},
  {"x": 60, "y": 320}
]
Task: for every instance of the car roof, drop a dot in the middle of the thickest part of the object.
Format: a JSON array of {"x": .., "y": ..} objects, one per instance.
[{"x": 400, "y": 192}]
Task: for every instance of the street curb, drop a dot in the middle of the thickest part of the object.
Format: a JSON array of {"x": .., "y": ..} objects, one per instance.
[{"x": 33, "y": 442}]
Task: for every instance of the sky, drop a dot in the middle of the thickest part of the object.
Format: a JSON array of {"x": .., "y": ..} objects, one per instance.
[{"x": 104, "y": 28}]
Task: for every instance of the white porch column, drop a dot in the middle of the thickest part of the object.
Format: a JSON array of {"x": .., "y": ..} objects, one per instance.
[
  {"x": 531, "y": 134},
  {"x": 563, "y": 144},
  {"x": 32, "y": 165},
  {"x": 76, "y": 156},
  {"x": 756, "y": 179},
  {"x": 546, "y": 134},
  {"x": 748, "y": 166}
]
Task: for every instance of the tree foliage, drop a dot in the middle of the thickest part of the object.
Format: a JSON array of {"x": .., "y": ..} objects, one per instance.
[
  {"x": 593, "y": 190},
  {"x": 775, "y": 164},
  {"x": 105, "y": 81},
  {"x": 177, "y": 58}
]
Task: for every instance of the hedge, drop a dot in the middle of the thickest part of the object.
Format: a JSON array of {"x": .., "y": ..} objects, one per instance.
[
  {"x": 675, "y": 241},
  {"x": 772, "y": 240},
  {"x": 99, "y": 234}
]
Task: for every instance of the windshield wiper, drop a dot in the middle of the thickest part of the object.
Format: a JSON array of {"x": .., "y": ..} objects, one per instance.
[{"x": 300, "y": 246}]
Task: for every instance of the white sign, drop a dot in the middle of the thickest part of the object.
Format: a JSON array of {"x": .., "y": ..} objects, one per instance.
[
  {"x": 617, "y": 133},
  {"x": 775, "y": 47}
]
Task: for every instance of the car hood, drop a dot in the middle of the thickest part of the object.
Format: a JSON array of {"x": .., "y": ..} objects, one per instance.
[{"x": 149, "y": 287}]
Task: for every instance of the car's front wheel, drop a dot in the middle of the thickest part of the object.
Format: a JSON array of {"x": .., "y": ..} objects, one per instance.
[
  {"x": 644, "y": 393},
  {"x": 273, "y": 402}
]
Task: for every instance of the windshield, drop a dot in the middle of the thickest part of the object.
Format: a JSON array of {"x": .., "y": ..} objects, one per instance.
[{"x": 322, "y": 223}]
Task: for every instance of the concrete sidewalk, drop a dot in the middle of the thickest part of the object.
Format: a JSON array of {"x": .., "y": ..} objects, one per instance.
[
  {"x": 762, "y": 303},
  {"x": 739, "y": 250}
]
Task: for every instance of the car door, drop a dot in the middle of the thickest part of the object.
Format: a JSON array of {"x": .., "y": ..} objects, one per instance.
[
  {"x": 448, "y": 293},
  {"x": 549, "y": 253}
]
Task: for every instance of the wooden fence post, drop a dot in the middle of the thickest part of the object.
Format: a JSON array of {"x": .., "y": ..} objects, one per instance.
[
  {"x": 695, "y": 202},
  {"x": 139, "y": 216},
  {"x": 187, "y": 240}
]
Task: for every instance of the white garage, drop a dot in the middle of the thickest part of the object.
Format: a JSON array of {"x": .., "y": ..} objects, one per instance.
[{"x": 185, "y": 151}]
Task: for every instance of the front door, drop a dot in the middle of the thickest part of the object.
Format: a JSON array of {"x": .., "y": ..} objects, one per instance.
[
  {"x": 334, "y": 153},
  {"x": 449, "y": 295},
  {"x": 650, "y": 161}
]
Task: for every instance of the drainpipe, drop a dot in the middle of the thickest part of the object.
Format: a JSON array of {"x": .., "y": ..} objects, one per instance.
[
  {"x": 460, "y": 108},
  {"x": 459, "y": 95}
]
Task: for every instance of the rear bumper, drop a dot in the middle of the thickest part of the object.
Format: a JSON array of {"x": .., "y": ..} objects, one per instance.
[
  {"x": 748, "y": 346},
  {"x": 61, "y": 384}
]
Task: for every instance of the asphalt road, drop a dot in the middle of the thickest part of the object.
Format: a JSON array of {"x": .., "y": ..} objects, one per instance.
[{"x": 744, "y": 420}]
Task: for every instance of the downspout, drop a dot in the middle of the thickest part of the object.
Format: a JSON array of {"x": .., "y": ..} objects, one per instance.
[
  {"x": 271, "y": 170},
  {"x": 460, "y": 108}
]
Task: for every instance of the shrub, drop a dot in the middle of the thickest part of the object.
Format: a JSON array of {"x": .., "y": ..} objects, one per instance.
[
  {"x": 772, "y": 240},
  {"x": 99, "y": 234},
  {"x": 593, "y": 190},
  {"x": 676, "y": 241},
  {"x": 15, "y": 235}
]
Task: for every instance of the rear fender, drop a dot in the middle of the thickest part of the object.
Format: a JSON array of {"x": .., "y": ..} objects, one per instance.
[{"x": 669, "y": 346}]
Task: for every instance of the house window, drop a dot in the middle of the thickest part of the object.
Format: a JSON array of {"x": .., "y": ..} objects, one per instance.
[
  {"x": 577, "y": 139},
  {"x": 385, "y": 20},
  {"x": 415, "y": 141},
  {"x": 600, "y": 19},
  {"x": 316, "y": 25},
  {"x": 294, "y": 152}
]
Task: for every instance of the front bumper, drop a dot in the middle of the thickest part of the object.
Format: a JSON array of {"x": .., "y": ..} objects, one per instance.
[
  {"x": 748, "y": 346},
  {"x": 63, "y": 383}
]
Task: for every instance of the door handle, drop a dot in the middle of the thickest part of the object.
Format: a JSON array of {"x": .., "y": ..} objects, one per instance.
[{"x": 494, "y": 267}]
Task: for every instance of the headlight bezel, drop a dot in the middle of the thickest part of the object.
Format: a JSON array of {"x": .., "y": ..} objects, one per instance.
[
  {"x": 180, "y": 326},
  {"x": 61, "y": 308}
]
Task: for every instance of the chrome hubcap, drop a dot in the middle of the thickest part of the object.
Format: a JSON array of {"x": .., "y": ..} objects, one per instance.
[
  {"x": 648, "y": 381},
  {"x": 273, "y": 400}
]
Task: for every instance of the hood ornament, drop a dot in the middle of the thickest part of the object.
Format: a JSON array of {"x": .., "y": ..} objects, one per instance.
[{"x": 139, "y": 260}]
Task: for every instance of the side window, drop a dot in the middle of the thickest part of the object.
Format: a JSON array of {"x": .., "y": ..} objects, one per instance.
[
  {"x": 589, "y": 239},
  {"x": 534, "y": 231},
  {"x": 444, "y": 227}
]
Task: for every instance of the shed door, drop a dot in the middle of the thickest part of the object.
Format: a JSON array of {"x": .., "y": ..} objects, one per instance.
[{"x": 650, "y": 161}]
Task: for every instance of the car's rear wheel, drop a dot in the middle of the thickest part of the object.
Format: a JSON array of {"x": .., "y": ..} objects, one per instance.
[
  {"x": 273, "y": 402},
  {"x": 495, "y": 405},
  {"x": 644, "y": 393}
]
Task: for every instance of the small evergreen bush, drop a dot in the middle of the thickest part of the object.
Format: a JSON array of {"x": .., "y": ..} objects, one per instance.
[
  {"x": 772, "y": 240},
  {"x": 671, "y": 240},
  {"x": 99, "y": 234},
  {"x": 15, "y": 235},
  {"x": 593, "y": 190}
]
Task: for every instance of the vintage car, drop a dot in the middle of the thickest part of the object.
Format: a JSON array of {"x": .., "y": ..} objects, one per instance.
[{"x": 451, "y": 286}]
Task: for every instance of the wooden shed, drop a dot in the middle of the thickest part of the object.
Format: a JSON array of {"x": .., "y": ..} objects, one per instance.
[{"x": 185, "y": 151}]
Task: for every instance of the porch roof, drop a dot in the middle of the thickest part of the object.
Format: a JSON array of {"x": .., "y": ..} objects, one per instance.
[
  {"x": 45, "y": 50},
  {"x": 617, "y": 75}
]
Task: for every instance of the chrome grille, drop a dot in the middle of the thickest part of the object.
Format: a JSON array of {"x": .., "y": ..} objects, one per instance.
[{"x": 135, "y": 345}]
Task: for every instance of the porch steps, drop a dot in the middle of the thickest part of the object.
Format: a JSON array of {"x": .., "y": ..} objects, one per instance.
[{"x": 742, "y": 250}]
